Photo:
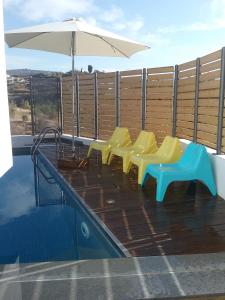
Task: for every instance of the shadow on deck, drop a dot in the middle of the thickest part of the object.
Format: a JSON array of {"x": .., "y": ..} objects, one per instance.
[{"x": 189, "y": 220}]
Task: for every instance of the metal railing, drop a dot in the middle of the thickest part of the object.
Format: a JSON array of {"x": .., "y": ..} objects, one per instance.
[{"x": 41, "y": 137}]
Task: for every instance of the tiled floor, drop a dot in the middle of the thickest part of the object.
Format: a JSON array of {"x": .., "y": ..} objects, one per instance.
[{"x": 188, "y": 221}]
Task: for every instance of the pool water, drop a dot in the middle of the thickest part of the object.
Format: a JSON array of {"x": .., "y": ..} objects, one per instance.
[{"x": 41, "y": 221}]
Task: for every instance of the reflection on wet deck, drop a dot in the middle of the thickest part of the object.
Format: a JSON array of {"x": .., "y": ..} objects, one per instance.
[{"x": 188, "y": 221}]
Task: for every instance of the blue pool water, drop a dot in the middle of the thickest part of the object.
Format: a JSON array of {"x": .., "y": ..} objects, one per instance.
[{"x": 41, "y": 221}]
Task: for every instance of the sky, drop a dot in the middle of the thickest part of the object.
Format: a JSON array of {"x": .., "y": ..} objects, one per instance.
[{"x": 176, "y": 30}]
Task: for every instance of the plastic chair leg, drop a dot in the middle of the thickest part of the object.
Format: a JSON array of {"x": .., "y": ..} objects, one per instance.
[
  {"x": 209, "y": 182},
  {"x": 105, "y": 155},
  {"x": 110, "y": 158},
  {"x": 162, "y": 186},
  {"x": 89, "y": 151},
  {"x": 127, "y": 167},
  {"x": 141, "y": 172},
  {"x": 145, "y": 178}
]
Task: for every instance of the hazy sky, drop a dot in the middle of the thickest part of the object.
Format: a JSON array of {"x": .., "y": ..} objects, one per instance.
[{"x": 176, "y": 30}]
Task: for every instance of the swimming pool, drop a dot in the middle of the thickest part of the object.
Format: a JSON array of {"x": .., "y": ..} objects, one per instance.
[{"x": 40, "y": 220}]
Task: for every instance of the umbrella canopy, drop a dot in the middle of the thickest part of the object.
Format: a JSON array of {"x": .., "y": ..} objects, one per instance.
[
  {"x": 88, "y": 40},
  {"x": 73, "y": 37}
]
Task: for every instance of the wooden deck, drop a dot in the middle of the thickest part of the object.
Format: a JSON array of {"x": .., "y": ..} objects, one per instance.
[{"x": 188, "y": 221}]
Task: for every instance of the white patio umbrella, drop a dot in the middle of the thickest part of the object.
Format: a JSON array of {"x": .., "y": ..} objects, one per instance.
[{"x": 73, "y": 37}]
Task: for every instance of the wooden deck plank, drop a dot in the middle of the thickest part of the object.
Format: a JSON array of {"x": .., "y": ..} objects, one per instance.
[{"x": 188, "y": 221}]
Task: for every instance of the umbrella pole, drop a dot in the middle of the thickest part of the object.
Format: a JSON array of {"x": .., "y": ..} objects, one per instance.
[{"x": 73, "y": 96}]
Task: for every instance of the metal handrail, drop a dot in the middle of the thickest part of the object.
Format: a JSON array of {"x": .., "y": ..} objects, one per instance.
[
  {"x": 37, "y": 139},
  {"x": 42, "y": 135}
]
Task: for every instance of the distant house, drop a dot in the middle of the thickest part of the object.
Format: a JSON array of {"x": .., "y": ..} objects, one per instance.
[
  {"x": 14, "y": 79},
  {"x": 10, "y": 79}
]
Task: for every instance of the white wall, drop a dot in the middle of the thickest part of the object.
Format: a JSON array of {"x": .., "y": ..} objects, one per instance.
[{"x": 5, "y": 138}]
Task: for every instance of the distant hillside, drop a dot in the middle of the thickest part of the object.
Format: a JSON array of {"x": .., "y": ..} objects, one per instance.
[{"x": 28, "y": 72}]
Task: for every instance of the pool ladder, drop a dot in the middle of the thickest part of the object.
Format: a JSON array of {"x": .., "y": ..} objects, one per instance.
[{"x": 41, "y": 137}]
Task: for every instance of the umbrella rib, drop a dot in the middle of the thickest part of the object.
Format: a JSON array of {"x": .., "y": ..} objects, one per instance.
[
  {"x": 101, "y": 38},
  {"x": 27, "y": 40}
]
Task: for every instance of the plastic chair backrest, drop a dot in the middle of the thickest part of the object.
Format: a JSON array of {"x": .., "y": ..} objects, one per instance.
[
  {"x": 144, "y": 140},
  {"x": 119, "y": 135},
  {"x": 169, "y": 146},
  {"x": 193, "y": 155}
]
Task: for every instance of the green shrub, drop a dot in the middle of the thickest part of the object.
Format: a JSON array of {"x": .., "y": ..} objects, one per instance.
[
  {"x": 26, "y": 104},
  {"x": 25, "y": 118}
]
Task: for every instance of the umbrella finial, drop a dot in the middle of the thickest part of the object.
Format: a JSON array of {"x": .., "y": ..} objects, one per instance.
[{"x": 71, "y": 19}]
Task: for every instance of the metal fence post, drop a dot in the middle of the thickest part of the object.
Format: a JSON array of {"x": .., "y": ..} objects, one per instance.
[
  {"x": 78, "y": 105},
  {"x": 144, "y": 96},
  {"x": 174, "y": 104},
  {"x": 117, "y": 97},
  {"x": 33, "y": 122},
  {"x": 197, "y": 77},
  {"x": 96, "y": 104},
  {"x": 60, "y": 103},
  {"x": 221, "y": 103}
]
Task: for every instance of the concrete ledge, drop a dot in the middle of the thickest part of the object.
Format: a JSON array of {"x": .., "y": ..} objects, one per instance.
[
  {"x": 125, "y": 278},
  {"x": 19, "y": 141}
]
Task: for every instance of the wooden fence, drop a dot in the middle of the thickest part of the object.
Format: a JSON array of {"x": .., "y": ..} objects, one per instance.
[
  {"x": 159, "y": 101},
  {"x": 184, "y": 100}
]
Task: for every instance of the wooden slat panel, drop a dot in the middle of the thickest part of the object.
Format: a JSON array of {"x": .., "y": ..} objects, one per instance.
[
  {"x": 159, "y": 96},
  {"x": 184, "y": 132},
  {"x": 210, "y": 57},
  {"x": 209, "y": 85},
  {"x": 186, "y": 81},
  {"x": 160, "y": 109},
  {"x": 106, "y": 75},
  {"x": 160, "y": 70},
  {"x": 162, "y": 83},
  {"x": 224, "y": 133},
  {"x": 185, "y": 117},
  {"x": 206, "y": 143},
  {"x": 211, "y": 66},
  {"x": 85, "y": 76},
  {"x": 213, "y": 120},
  {"x": 131, "y": 72},
  {"x": 187, "y": 96},
  {"x": 131, "y": 78},
  {"x": 209, "y": 102},
  {"x": 157, "y": 115},
  {"x": 160, "y": 90},
  {"x": 210, "y": 75},
  {"x": 164, "y": 76},
  {"x": 209, "y": 111},
  {"x": 106, "y": 105},
  {"x": 207, "y": 128},
  {"x": 209, "y": 94},
  {"x": 186, "y": 88},
  {"x": 106, "y": 80},
  {"x": 159, "y": 103},
  {"x": 135, "y": 95},
  {"x": 187, "y": 65},
  {"x": 131, "y": 84},
  {"x": 185, "y": 103},
  {"x": 211, "y": 138},
  {"x": 157, "y": 121},
  {"x": 185, "y": 110},
  {"x": 187, "y": 73},
  {"x": 185, "y": 124}
]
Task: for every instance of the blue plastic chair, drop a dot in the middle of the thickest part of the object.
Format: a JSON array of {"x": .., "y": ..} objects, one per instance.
[{"x": 194, "y": 164}]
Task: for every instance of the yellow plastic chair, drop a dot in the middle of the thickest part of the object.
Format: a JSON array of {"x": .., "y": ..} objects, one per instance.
[
  {"x": 169, "y": 152},
  {"x": 145, "y": 143},
  {"x": 120, "y": 137}
]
